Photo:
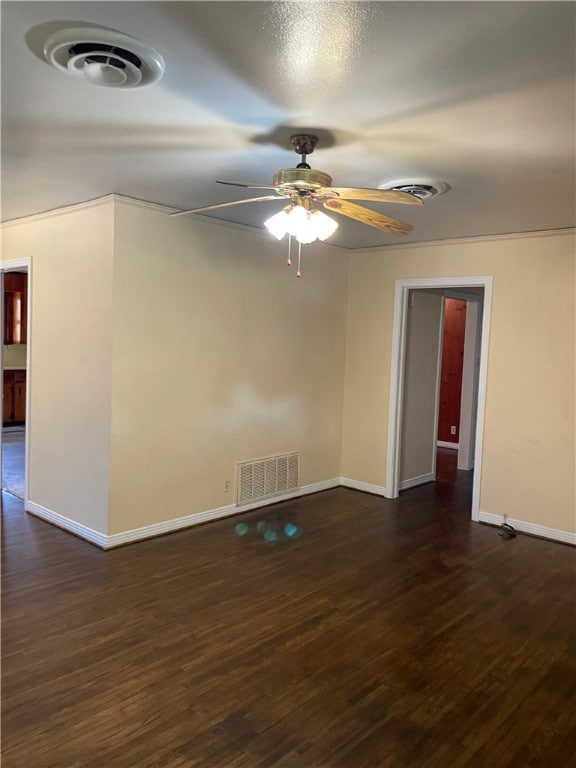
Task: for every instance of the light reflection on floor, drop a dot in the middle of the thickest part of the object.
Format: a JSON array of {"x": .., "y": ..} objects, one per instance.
[{"x": 270, "y": 531}]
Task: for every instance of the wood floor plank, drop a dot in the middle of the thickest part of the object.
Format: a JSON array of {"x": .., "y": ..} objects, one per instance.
[{"x": 387, "y": 634}]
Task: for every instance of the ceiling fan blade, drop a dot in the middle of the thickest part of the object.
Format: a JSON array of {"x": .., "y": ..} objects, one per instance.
[
  {"x": 376, "y": 195},
  {"x": 367, "y": 216},
  {"x": 242, "y": 184},
  {"x": 225, "y": 205}
]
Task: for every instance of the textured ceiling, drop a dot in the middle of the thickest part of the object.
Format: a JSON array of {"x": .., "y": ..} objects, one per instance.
[{"x": 479, "y": 95}]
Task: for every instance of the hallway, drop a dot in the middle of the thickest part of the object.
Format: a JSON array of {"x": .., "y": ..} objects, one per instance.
[{"x": 13, "y": 460}]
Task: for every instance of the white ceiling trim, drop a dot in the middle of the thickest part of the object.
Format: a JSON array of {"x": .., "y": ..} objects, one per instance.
[
  {"x": 145, "y": 204},
  {"x": 58, "y": 211},
  {"x": 133, "y": 202},
  {"x": 220, "y": 223},
  {"x": 469, "y": 240}
]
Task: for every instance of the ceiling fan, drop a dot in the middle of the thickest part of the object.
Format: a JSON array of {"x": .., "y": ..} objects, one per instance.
[{"x": 305, "y": 189}]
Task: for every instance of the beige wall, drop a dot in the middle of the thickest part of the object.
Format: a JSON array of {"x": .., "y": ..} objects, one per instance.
[
  {"x": 70, "y": 341},
  {"x": 221, "y": 355},
  {"x": 164, "y": 351},
  {"x": 528, "y": 458},
  {"x": 420, "y": 395}
]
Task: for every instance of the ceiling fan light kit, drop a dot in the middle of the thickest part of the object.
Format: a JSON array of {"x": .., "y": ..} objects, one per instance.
[
  {"x": 301, "y": 179},
  {"x": 306, "y": 189},
  {"x": 306, "y": 226}
]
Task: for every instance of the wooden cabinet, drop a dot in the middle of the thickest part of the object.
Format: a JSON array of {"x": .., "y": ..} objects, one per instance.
[
  {"x": 15, "y": 307},
  {"x": 14, "y": 403}
]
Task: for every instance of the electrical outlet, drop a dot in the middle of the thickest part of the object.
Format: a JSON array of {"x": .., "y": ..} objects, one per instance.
[
  {"x": 452, "y": 430},
  {"x": 227, "y": 485}
]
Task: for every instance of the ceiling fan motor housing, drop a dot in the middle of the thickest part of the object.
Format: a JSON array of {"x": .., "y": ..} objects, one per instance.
[{"x": 301, "y": 178}]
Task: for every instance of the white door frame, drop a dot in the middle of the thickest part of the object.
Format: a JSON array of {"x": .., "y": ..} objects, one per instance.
[
  {"x": 397, "y": 375},
  {"x": 7, "y": 266},
  {"x": 469, "y": 389}
]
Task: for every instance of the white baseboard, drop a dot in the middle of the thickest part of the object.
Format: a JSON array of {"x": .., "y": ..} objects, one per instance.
[
  {"x": 89, "y": 534},
  {"x": 168, "y": 526},
  {"x": 532, "y": 528},
  {"x": 358, "y": 485},
  {"x": 125, "y": 537},
  {"x": 403, "y": 485},
  {"x": 157, "y": 529},
  {"x": 446, "y": 444}
]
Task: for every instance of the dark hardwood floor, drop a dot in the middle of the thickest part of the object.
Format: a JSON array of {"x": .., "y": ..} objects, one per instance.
[{"x": 385, "y": 634}]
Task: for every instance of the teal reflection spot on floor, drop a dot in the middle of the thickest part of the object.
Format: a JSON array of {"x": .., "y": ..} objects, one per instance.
[
  {"x": 261, "y": 525},
  {"x": 291, "y": 530},
  {"x": 241, "y": 529},
  {"x": 270, "y": 536}
]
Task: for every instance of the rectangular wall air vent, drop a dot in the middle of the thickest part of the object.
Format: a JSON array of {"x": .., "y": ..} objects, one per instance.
[{"x": 269, "y": 477}]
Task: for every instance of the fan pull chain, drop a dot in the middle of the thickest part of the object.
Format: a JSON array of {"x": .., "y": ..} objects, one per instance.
[
  {"x": 289, "y": 262},
  {"x": 298, "y": 272}
]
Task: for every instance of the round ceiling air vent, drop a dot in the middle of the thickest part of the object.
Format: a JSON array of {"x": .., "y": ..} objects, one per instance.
[
  {"x": 422, "y": 188},
  {"x": 103, "y": 57}
]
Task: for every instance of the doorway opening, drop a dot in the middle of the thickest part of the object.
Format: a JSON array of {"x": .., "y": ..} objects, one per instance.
[
  {"x": 415, "y": 380},
  {"x": 15, "y": 368},
  {"x": 459, "y": 373}
]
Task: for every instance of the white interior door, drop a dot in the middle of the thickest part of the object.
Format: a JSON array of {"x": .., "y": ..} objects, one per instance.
[{"x": 420, "y": 388}]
